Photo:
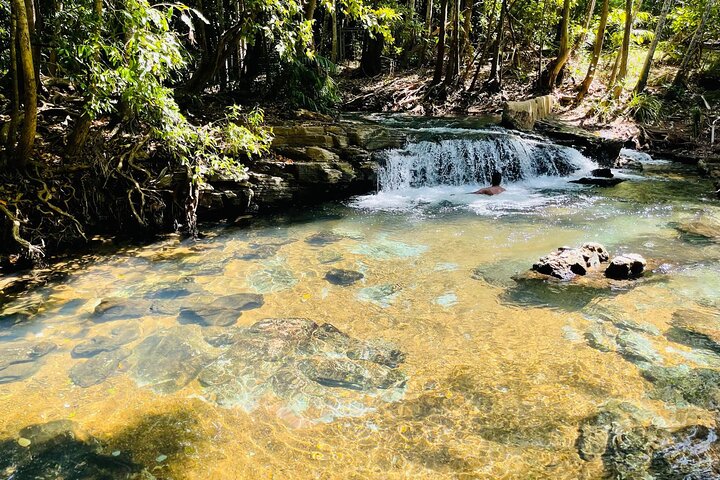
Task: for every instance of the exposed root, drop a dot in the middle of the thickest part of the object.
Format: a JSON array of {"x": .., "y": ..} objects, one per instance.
[
  {"x": 130, "y": 158},
  {"x": 45, "y": 195},
  {"x": 34, "y": 252}
]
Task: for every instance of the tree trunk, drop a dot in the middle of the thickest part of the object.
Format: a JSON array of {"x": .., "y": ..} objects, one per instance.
[
  {"x": 467, "y": 27},
  {"x": 29, "y": 124},
  {"x": 453, "y": 65},
  {"x": 371, "y": 61},
  {"x": 31, "y": 14},
  {"x": 310, "y": 9},
  {"x": 428, "y": 16},
  {"x": 682, "y": 72},
  {"x": 597, "y": 49},
  {"x": 57, "y": 7},
  {"x": 588, "y": 19},
  {"x": 494, "y": 82},
  {"x": 645, "y": 72},
  {"x": 622, "y": 72},
  {"x": 334, "y": 49},
  {"x": 15, "y": 81},
  {"x": 440, "y": 57},
  {"x": 557, "y": 65}
]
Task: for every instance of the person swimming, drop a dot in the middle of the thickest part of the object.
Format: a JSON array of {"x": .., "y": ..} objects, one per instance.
[{"x": 494, "y": 188}]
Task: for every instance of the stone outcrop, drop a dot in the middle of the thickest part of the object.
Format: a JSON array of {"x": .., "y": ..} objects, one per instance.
[
  {"x": 604, "y": 151},
  {"x": 309, "y": 162},
  {"x": 523, "y": 115},
  {"x": 565, "y": 263},
  {"x": 624, "y": 267}
]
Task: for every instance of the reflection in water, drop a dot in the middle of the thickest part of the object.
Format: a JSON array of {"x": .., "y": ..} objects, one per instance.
[{"x": 422, "y": 358}]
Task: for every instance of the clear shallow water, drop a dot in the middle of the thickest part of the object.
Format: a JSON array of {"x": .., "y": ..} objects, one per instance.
[{"x": 493, "y": 380}]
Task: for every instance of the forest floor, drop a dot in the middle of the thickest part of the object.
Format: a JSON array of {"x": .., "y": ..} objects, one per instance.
[{"x": 681, "y": 130}]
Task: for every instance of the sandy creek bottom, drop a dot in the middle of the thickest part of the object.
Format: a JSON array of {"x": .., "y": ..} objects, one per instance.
[{"x": 495, "y": 380}]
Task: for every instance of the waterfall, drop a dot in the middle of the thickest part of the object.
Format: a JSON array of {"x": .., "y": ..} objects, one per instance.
[{"x": 461, "y": 161}]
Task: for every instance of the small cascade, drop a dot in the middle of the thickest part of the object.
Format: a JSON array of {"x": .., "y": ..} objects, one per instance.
[{"x": 461, "y": 161}]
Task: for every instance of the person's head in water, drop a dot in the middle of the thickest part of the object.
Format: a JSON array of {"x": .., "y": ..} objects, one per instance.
[{"x": 496, "y": 179}]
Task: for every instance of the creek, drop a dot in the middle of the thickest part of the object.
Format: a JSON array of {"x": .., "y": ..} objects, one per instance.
[{"x": 419, "y": 357}]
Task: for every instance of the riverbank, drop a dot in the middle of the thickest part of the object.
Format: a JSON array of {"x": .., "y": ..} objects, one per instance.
[{"x": 313, "y": 158}]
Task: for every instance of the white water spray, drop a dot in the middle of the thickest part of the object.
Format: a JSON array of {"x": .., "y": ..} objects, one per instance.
[{"x": 472, "y": 161}]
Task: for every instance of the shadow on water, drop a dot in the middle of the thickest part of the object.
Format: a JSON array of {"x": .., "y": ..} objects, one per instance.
[{"x": 154, "y": 447}]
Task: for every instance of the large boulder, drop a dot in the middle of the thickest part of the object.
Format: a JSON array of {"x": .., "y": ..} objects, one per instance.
[
  {"x": 565, "y": 263},
  {"x": 706, "y": 224},
  {"x": 523, "y": 115},
  {"x": 624, "y": 267}
]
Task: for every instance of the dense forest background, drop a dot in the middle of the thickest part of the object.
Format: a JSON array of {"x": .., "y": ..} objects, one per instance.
[{"x": 101, "y": 86}]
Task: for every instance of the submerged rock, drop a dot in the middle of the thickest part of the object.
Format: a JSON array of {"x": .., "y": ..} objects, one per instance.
[
  {"x": 223, "y": 311},
  {"x": 338, "y": 276},
  {"x": 323, "y": 238},
  {"x": 275, "y": 277},
  {"x": 598, "y": 181},
  {"x": 21, "y": 360},
  {"x": 624, "y": 267},
  {"x": 98, "y": 368},
  {"x": 170, "y": 359},
  {"x": 630, "y": 449},
  {"x": 59, "y": 450},
  {"x": 683, "y": 385},
  {"x": 380, "y": 295},
  {"x": 306, "y": 365},
  {"x": 705, "y": 225},
  {"x": 696, "y": 329},
  {"x": 637, "y": 348},
  {"x": 329, "y": 256},
  {"x": 115, "y": 308},
  {"x": 119, "y": 336}
]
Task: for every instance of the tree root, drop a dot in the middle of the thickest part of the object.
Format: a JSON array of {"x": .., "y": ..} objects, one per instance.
[
  {"x": 45, "y": 195},
  {"x": 136, "y": 186},
  {"x": 34, "y": 252}
]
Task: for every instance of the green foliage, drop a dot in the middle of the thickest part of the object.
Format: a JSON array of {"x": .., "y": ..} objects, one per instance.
[
  {"x": 123, "y": 58},
  {"x": 124, "y": 62},
  {"x": 644, "y": 108},
  {"x": 308, "y": 83}
]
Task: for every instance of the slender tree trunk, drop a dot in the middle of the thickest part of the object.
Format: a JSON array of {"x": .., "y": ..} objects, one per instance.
[
  {"x": 682, "y": 72},
  {"x": 494, "y": 82},
  {"x": 597, "y": 50},
  {"x": 586, "y": 28},
  {"x": 81, "y": 130},
  {"x": 467, "y": 27},
  {"x": 622, "y": 72},
  {"x": 557, "y": 65},
  {"x": 334, "y": 48},
  {"x": 310, "y": 9},
  {"x": 29, "y": 124},
  {"x": 15, "y": 80},
  {"x": 57, "y": 7},
  {"x": 428, "y": 16},
  {"x": 440, "y": 57},
  {"x": 453, "y": 65},
  {"x": 31, "y": 13},
  {"x": 645, "y": 72}
]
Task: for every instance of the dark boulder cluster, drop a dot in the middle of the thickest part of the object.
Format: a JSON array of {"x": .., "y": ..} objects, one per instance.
[
  {"x": 566, "y": 263},
  {"x": 601, "y": 177},
  {"x": 618, "y": 435}
]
